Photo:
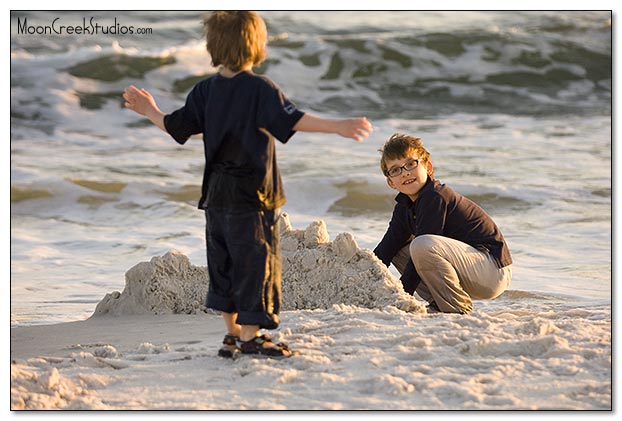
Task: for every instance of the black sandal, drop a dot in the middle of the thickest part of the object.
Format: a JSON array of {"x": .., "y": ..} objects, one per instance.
[
  {"x": 256, "y": 346},
  {"x": 230, "y": 348}
]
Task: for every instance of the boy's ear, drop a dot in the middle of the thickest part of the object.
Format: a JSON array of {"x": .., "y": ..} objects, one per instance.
[
  {"x": 390, "y": 183},
  {"x": 430, "y": 168}
]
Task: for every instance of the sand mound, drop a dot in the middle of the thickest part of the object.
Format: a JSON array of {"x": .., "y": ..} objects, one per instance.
[
  {"x": 169, "y": 284},
  {"x": 317, "y": 273}
]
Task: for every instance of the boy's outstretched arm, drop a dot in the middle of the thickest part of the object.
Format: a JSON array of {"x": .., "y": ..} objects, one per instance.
[
  {"x": 141, "y": 102},
  {"x": 354, "y": 128}
]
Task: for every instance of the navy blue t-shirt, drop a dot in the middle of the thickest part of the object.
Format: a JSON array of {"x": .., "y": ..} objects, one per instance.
[{"x": 239, "y": 118}]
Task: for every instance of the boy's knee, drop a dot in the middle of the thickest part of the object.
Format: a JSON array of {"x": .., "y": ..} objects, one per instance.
[{"x": 421, "y": 246}]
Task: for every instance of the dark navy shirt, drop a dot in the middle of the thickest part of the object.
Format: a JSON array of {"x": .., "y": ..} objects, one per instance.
[
  {"x": 440, "y": 210},
  {"x": 239, "y": 118}
]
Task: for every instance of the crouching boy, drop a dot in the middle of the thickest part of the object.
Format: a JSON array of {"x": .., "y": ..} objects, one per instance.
[{"x": 445, "y": 246}]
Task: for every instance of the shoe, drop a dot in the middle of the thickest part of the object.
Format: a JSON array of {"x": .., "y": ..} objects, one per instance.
[
  {"x": 263, "y": 345},
  {"x": 433, "y": 308},
  {"x": 230, "y": 347}
]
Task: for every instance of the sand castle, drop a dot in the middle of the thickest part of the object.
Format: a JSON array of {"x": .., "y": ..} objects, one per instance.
[{"x": 317, "y": 273}]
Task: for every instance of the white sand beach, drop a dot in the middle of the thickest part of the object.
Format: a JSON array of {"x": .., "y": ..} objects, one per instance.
[
  {"x": 352, "y": 358},
  {"x": 364, "y": 345}
]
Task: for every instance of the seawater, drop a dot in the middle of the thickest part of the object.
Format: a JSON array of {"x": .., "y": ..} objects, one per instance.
[{"x": 515, "y": 108}]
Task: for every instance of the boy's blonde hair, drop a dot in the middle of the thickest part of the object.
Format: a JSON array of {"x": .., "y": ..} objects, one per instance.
[
  {"x": 399, "y": 146},
  {"x": 235, "y": 38}
]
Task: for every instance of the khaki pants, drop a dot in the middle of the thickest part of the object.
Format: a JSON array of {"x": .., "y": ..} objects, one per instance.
[{"x": 453, "y": 273}]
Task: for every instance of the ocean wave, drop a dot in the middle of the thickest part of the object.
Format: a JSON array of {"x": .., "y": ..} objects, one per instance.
[
  {"x": 20, "y": 194},
  {"x": 514, "y": 294},
  {"x": 550, "y": 67}
]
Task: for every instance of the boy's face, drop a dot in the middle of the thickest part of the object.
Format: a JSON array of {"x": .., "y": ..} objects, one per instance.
[{"x": 411, "y": 180}]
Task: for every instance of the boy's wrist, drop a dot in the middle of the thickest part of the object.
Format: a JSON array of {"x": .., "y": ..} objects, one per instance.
[{"x": 156, "y": 116}]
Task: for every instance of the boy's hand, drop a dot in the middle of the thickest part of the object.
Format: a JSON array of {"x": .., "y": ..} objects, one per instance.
[
  {"x": 355, "y": 128},
  {"x": 138, "y": 100},
  {"x": 141, "y": 102}
]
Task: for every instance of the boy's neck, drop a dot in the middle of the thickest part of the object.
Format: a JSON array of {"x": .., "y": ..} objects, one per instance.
[{"x": 226, "y": 72}]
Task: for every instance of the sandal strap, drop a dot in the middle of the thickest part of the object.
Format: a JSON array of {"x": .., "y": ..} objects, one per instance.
[
  {"x": 230, "y": 348},
  {"x": 267, "y": 338},
  {"x": 255, "y": 346},
  {"x": 230, "y": 339}
]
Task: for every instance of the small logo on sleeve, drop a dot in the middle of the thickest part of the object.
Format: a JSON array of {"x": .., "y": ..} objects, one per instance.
[{"x": 289, "y": 109}]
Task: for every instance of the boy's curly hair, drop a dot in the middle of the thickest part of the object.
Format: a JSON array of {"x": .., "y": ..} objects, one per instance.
[
  {"x": 235, "y": 38},
  {"x": 399, "y": 146}
]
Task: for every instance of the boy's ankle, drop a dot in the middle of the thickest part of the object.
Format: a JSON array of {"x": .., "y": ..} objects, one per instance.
[
  {"x": 248, "y": 332},
  {"x": 246, "y": 338}
]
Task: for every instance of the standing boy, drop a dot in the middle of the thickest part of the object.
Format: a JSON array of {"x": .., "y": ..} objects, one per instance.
[
  {"x": 444, "y": 245},
  {"x": 239, "y": 114}
]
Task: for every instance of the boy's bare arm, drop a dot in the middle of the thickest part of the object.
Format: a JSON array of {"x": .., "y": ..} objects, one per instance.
[
  {"x": 141, "y": 102},
  {"x": 354, "y": 128}
]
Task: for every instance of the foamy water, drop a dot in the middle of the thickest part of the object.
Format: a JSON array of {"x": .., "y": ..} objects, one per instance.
[{"x": 514, "y": 108}]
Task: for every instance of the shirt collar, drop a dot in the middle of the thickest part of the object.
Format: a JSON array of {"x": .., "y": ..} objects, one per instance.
[{"x": 405, "y": 200}]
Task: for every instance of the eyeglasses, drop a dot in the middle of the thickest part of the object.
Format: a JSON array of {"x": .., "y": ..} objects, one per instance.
[{"x": 408, "y": 166}]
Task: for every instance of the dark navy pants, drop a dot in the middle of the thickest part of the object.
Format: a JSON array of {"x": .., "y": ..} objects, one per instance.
[{"x": 244, "y": 265}]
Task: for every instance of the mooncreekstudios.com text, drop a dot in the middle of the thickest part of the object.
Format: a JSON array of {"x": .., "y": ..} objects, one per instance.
[{"x": 88, "y": 27}]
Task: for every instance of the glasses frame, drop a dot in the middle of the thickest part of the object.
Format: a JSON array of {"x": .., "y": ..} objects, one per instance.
[{"x": 414, "y": 163}]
